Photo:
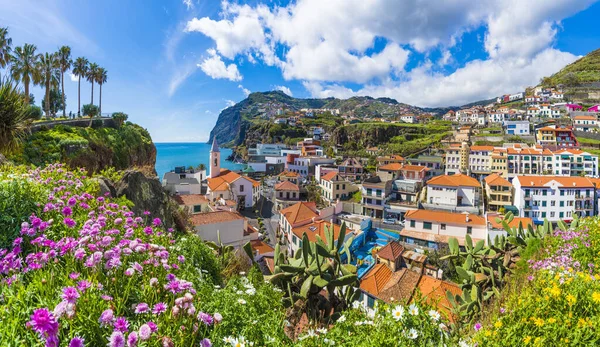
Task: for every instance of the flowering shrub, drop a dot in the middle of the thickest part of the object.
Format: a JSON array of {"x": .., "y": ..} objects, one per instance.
[
  {"x": 86, "y": 271},
  {"x": 558, "y": 303}
]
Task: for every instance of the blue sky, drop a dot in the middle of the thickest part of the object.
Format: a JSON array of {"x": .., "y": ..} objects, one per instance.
[{"x": 173, "y": 65}]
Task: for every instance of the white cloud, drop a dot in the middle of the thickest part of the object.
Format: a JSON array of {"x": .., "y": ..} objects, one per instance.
[
  {"x": 244, "y": 90},
  {"x": 188, "y": 4},
  {"x": 214, "y": 67},
  {"x": 73, "y": 77},
  {"x": 179, "y": 76},
  {"x": 229, "y": 103},
  {"x": 284, "y": 89},
  {"x": 326, "y": 44}
]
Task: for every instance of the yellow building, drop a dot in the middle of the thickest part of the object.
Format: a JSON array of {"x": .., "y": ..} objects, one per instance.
[{"x": 499, "y": 192}]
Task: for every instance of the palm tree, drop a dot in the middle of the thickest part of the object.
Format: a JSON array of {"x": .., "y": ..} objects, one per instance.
[
  {"x": 14, "y": 116},
  {"x": 23, "y": 67},
  {"x": 65, "y": 62},
  {"x": 101, "y": 78},
  {"x": 49, "y": 69},
  {"x": 80, "y": 68},
  {"x": 91, "y": 77},
  {"x": 5, "y": 47}
]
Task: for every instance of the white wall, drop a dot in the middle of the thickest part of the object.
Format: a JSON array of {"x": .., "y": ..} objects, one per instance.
[{"x": 231, "y": 232}]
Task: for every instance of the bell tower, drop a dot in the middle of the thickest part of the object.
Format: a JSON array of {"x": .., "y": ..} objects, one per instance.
[{"x": 215, "y": 159}]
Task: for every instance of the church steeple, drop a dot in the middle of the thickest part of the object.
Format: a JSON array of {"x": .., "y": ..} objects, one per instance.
[{"x": 215, "y": 159}]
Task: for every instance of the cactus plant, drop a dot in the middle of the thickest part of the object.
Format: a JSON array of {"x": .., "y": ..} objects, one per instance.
[{"x": 315, "y": 280}]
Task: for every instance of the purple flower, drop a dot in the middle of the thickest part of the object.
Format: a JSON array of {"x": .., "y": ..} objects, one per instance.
[
  {"x": 69, "y": 222},
  {"x": 148, "y": 230},
  {"x": 70, "y": 294},
  {"x": 153, "y": 327},
  {"x": 76, "y": 342},
  {"x": 218, "y": 318},
  {"x": 159, "y": 308},
  {"x": 477, "y": 326},
  {"x": 205, "y": 343},
  {"x": 43, "y": 322},
  {"x": 83, "y": 285},
  {"x": 181, "y": 258},
  {"x": 132, "y": 339},
  {"x": 67, "y": 211},
  {"x": 74, "y": 275},
  {"x": 121, "y": 324},
  {"x": 116, "y": 339},
  {"x": 205, "y": 318},
  {"x": 106, "y": 317},
  {"x": 156, "y": 222},
  {"x": 146, "y": 213},
  {"x": 145, "y": 332},
  {"x": 118, "y": 221},
  {"x": 142, "y": 307},
  {"x": 72, "y": 202},
  {"x": 502, "y": 310}
]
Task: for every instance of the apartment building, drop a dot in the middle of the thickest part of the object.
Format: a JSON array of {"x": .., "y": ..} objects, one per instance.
[
  {"x": 480, "y": 160},
  {"x": 295, "y": 216},
  {"x": 575, "y": 162},
  {"x": 498, "y": 191},
  {"x": 553, "y": 197},
  {"x": 305, "y": 166},
  {"x": 453, "y": 193},
  {"x": 499, "y": 162},
  {"x": 585, "y": 123},
  {"x": 286, "y": 194},
  {"x": 375, "y": 193},
  {"x": 351, "y": 169},
  {"x": 388, "y": 159},
  {"x": 433, "y": 163},
  {"x": 334, "y": 186},
  {"x": 553, "y": 138},
  {"x": 517, "y": 127},
  {"x": 428, "y": 228},
  {"x": 457, "y": 158}
]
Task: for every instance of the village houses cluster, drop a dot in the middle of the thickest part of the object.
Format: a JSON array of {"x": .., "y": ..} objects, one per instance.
[{"x": 405, "y": 206}]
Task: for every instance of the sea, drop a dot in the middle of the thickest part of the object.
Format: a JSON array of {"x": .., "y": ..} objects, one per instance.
[{"x": 170, "y": 155}]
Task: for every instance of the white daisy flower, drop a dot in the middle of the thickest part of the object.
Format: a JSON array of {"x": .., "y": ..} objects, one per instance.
[
  {"x": 398, "y": 312},
  {"x": 322, "y": 331},
  {"x": 241, "y": 301},
  {"x": 413, "y": 310},
  {"x": 342, "y": 319},
  {"x": 435, "y": 315},
  {"x": 412, "y": 334}
]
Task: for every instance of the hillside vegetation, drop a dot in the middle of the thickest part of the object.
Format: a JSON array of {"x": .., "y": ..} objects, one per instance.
[{"x": 583, "y": 70}]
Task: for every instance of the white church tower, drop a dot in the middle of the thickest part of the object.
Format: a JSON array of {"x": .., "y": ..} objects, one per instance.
[{"x": 215, "y": 159}]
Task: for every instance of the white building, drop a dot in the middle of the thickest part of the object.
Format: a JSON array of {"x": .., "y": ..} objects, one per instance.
[
  {"x": 586, "y": 123},
  {"x": 428, "y": 228},
  {"x": 553, "y": 197},
  {"x": 408, "y": 118},
  {"x": 517, "y": 128},
  {"x": 454, "y": 193},
  {"x": 183, "y": 181},
  {"x": 231, "y": 227}
]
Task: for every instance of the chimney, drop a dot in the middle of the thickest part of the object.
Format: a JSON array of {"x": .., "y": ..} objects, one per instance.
[{"x": 467, "y": 217}]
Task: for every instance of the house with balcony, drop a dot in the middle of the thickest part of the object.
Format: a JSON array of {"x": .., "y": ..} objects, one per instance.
[
  {"x": 457, "y": 193},
  {"x": 479, "y": 160},
  {"x": 193, "y": 203},
  {"x": 553, "y": 138},
  {"x": 231, "y": 228},
  {"x": 427, "y": 228},
  {"x": 295, "y": 216},
  {"x": 182, "y": 181},
  {"x": 585, "y": 123},
  {"x": 433, "y": 163},
  {"x": 375, "y": 194},
  {"x": 575, "y": 162},
  {"x": 388, "y": 159},
  {"x": 554, "y": 197},
  {"x": 517, "y": 127},
  {"x": 499, "y": 162},
  {"x": 351, "y": 169},
  {"x": 334, "y": 187},
  {"x": 286, "y": 194},
  {"x": 528, "y": 161},
  {"x": 498, "y": 191}
]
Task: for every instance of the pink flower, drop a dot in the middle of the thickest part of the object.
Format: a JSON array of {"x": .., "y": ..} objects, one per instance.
[
  {"x": 43, "y": 322},
  {"x": 218, "y": 318},
  {"x": 477, "y": 326},
  {"x": 159, "y": 308},
  {"x": 145, "y": 332},
  {"x": 156, "y": 222},
  {"x": 69, "y": 222},
  {"x": 67, "y": 211},
  {"x": 141, "y": 308},
  {"x": 106, "y": 317},
  {"x": 70, "y": 294},
  {"x": 116, "y": 339},
  {"x": 76, "y": 342},
  {"x": 121, "y": 324},
  {"x": 132, "y": 339}
]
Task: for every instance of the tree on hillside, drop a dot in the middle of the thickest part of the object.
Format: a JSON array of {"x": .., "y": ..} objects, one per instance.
[
  {"x": 49, "y": 70},
  {"x": 91, "y": 76},
  {"x": 90, "y": 111},
  {"x": 64, "y": 59},
  {"x": 546, "y": 82},
  {"x": 120, "y": 118},
  {"x": 5, "y": 47},
  {"x": 570, "y": 79},
  {"x": 101, "y": 78},
  {"x": 14, "y": 120},
  {"x": 56, "y": 102},
  {"x": 80, "y": 67},
  {"x": 23, "y": 67}
]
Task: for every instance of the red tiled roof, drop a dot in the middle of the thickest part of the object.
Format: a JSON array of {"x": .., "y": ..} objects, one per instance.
[
  {"x": 491, "y": 218},
  {"x": 215, "y": 217},
  {"x": 564, "y": 181},
  {"x": 286, "y": 185},
  {"x": 445, "y": 217},
  {"x": 329, "y": 176},
  {"x": 391, "y": 251},
  {"x": 261, "y": 247},
  {"x": 190, "y": 199},
  {"x": 434, "y": 292},
  {"x": 458, "y": 180},
  {"x": 497, "y": 180},
  {"x": 300, "y": 212},
  {"x": 316, "y": 228},
  {"x": 375, "y": 280}
]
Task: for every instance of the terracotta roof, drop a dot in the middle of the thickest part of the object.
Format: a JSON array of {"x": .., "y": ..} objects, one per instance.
[
  {"x": 491, "y": 218},
  {"x": 222, "y": 181},
  {"x": 375, "y": 280},
  {"x": 215, "y": 217},
  {"x": 445, "y": 217},
  {"x": 329, "y": 176},
  {"x": 351, "y": 162},
  {"x": 261, "y": 247},
  {"x": 286, "y": 185},
  {"x": 288, "y": 174},
  {"x": 390, "y": 157},
  {"x": 254, "y": 182},
  {"x": 190, "y": 199},
  {"x": 570, "y": 151},
  {"x": 316, "y": 228},
  {"x": 497, "y": 180},
  {"x": 564, "y": 181},
  {"x": 434, "y": 292},
  {"x": 414, "y": 168},
  {"x": 595, "y": 182},
  {"x": 585, "y": 118},
  {"x": 300, "y": 212},
  {"x": 391, "y": 167},
  {"x": 482, "y": 148},
  {"x": 400, "y": 287},
  {"x": 391, "y": 251},
  {"x": 458, "y": 180}
]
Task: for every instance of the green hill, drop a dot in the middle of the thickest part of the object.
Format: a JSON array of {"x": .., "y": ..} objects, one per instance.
[{"x": 583, "y": 70}]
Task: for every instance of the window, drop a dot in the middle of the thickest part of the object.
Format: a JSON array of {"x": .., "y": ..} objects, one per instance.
[
  {"x": 562, "y": 204},
  {"x": 241, "y": 188},
  {"x": 197, "y": 208},
  {"x": 412, "y": 223},
  {"x": 562, "y": 193},
  {"x": 544, "y": 193},
  {"x": 543, "y": 214},
  {"x": 469, "y": 230},
  {"x": 427, "y": 225},
  {"x": 443, "y": 226},
  {"x": 370, "y": 301},
  {"x": 543, "y": 204},
  {"x": 294, "y": 239},
  {"x": 561, "y": 215}
]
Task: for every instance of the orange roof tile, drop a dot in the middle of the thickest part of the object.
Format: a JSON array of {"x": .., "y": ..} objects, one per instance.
[
  {"x": 445, "y": 217},
  {"x": 222, "y": 182},
  {"x": 300, "y": 212},
  {"x": 261, "y": 247},
  {"x": 391, "y": 251},
  {"x": 329, "y": 176},
  {"x": 391, "y": 167},
  {"x": 215, "y": 217},
  {"x": 482, "y": 148},
  {"x": 585, "y": 118},
  {"x": 286, "y": 185},
  {"x": 375, "y": 280},
  {"x": 491, "y": 218},
  {"x": 434, "y": 292},
  {"x": 190, "y": 199},
  {"x": 289, "y": 174},
  {"x": 316, "y": 228},
  {"x": 497, "y": 180},
  {"x": 414, "y": 168},
  {"x": 458, "y": 180},
  {"x": 564, "y": 181}
]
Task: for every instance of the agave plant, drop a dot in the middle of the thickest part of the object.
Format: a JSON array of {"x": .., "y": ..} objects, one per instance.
[{"x": 316, "y": 281}]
